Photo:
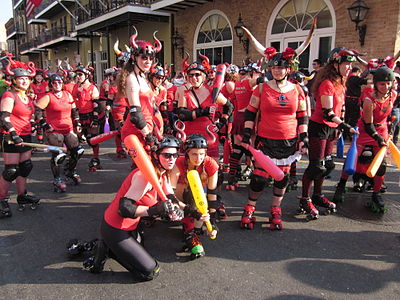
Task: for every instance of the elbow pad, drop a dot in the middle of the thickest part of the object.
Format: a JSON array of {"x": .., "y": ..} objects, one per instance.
[
  {"x": 249, "y": 115},
  {"x": 261, "y": 79},
  {"x": 184, "y": 114},
  {"x": 227, "y": 108},
  {"x": 328, "y": 114},
  {"x": 370, "y": 129},
  {"x": 6, "y": 125},
  {"x": 302, "y": 120},
  {"x": 97, "y": 109},
  {"x": 136, "y": 117},
  {"x": 127, "y": 207},
  {"x": 38, "y": 113}
]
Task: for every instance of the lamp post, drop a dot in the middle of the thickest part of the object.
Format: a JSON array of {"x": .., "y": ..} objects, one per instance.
[
  {"x": 357, "y": 12},
  {"x": 240, "y": 33}
]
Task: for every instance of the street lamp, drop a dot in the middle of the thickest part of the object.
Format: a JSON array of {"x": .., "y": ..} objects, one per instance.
[
  {"x": 177, "y": 42},
  {"x": 240, "y": 33},
  {"x": 357, "y": 12}
]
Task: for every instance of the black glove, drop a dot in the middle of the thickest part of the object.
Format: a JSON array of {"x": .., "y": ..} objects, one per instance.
[
  {"x": 33, "y": 127},
  {"x": 344, "y": 127},
  {"x": 381, "y": 141},
  {"x": 45, "y": 126},
  {"x": 303, "y": 137},
  {"x": 221, "y": 123},
  {"x": 16, "y": 138},
  {"x": 191, "y": 212},
  {"x": 202, "y": 112},
  {"x": 161, "y": 209},
  {"x": 150, "y": 139},
  {"x": 246, "y": 135}
]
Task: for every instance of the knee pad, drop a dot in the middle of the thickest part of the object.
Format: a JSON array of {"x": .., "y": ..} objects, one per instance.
[
  {"x": 257, "y": 183},
  {"x": 77, "y": 152},
  {"x": 283, "y": 183},
  {"x": 25, "y": 168},
  {"x": 382, "y": 169},
  {"x": 58, "y": 158},
  {"x": 329, "y": 165},
  {"x": 315, "y": 169},
  {"x": 367, "y": 155},
  {"x": 11, "y": 172}
]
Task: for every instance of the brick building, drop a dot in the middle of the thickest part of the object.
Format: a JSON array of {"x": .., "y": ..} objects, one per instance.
[{"x": 87, "y": 30}]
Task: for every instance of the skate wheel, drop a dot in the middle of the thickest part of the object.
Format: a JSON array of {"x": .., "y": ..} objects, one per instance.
[
  {"x": 21, "y": 207},
  {"x": 34, "y": 206}
]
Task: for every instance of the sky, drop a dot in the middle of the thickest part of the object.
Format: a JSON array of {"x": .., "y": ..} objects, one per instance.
[{"x": 6, "y": 11}]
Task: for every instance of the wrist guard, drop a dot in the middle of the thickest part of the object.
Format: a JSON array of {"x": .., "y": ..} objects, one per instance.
[
  {"x": 15, "y": 137},
  {"x": 184, "y": 114},
  {"x": 328, "y": 114},
  {"x": 45, "y": 126},
  {"x": 344, "y": 127},
  {"x": 247, "y": 135},
  {"x": 227, "y": 108},
  {"x": 303, "y": 137}
]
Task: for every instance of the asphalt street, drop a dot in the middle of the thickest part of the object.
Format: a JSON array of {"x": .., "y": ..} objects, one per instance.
[{"x": 353, "y": 254}]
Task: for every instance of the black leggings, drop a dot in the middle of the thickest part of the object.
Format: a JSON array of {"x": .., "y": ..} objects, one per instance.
[{"x": 125, "y": 249}]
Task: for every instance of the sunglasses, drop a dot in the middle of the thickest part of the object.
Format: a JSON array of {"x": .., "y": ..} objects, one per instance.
[
  {"x": 146, "y": 57},
  {"x": 80, "y": 74},
  {"x": 57, "y": 82},
  {"x": 170, "y": 155},
  {"x": 194, "y": 75},
  {"x": 159, "y": 77}
]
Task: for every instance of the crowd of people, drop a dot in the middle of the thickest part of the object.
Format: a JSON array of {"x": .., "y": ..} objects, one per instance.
[{"x": 185, "y": 125}]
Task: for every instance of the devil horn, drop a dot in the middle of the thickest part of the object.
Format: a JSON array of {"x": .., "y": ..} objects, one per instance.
[
  {"x": 260, "y": 48},
  {"x": 8, "y": 69},
  {"x": 307, "y": 42},
  {"x": 116, "y": 48},
  {"x": 158, "y": 43},
  {"x": 133, "y": 38},
  {"x": 127, "y": 48},
  {"x": 32, "y": 68}
]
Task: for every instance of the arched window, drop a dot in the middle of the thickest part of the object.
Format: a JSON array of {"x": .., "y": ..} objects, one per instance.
[
  {"x": 289, "y": 25},
  {"x": 213, "y": 38}
]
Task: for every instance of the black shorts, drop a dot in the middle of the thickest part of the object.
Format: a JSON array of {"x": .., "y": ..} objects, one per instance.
[
  {"x": 276, "y": 148},
  {"x": 320, "y": 130},
  {"x": 8, "y": 147}
]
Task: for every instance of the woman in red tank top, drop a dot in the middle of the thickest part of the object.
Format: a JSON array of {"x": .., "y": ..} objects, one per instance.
[
  {"x": 157, "y": 77},
  {"x": 326, "y": 120},
  {"x": 281, "y": 131},
  {"x": 135, "y": 85},
  {"x": 16, "y": 118},
  {"x": 122, "y": 237},
  {"x": 374, "y": 133},
  {"x": 61, "y": 125},
  {"x": 196, "y": 107}
]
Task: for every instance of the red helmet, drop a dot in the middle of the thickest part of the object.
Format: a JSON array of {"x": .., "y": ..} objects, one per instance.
[{"x": 139, "y": 47}]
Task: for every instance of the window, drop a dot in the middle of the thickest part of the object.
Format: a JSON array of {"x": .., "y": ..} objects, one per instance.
[
  {"x": 290, "y": 22},
  {"x": 213, "y": 38}
]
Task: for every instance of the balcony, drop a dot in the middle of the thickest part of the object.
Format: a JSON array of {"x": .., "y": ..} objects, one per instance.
[
  {"x": 176, "y": 5},
  {"x": 17, "y": 3},
  {"x": 50, "y": 38},
  {"x": 116, "y": 14},
  {"x": 14, "y": 30},
  {"x": 50, "y": 8},
  {"x": 30, "y": 47}
]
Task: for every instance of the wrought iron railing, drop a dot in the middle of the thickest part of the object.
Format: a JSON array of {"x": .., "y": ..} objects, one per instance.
[
  {"x": 16, "y": 27},
  {"x": 51, "y": 34}
]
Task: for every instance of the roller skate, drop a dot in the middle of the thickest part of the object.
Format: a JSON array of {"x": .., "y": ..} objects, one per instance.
[
  {"x": 270, "y": 182},
  {"x": 221, "y": 211},
  {"x": 376, "y": 204},
  {"x": 339, "y": 193},
  {"x": 322, "y": 201},
  {"x": 5, "y": 210},
  {"x": 74, "y": 177},
  {"x": 383, "y": 188},
  {"x": 94, "y": 165},
  {"x": 248, "y": 220},
  {"x": 292, "y": 186},
  {"x": 59, "y": 185},
  {"x": 76, "y": 248},
  {"x": 232, "y": 184},
  {"x": 359, "y": 186},
  {"x": 193, "y": 244},
  {"x": 121, "y": 154},
  {"x": 246, "y": 173},
  {"x": 307, "y": 207},
  {"x": 95, "y": 263},
  {"x": 22, "y": 200},
  {"x": 275, "y": 221}
]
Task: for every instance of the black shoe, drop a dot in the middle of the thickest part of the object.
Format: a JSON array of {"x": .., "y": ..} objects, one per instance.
[{"x": 95, "y": 263}]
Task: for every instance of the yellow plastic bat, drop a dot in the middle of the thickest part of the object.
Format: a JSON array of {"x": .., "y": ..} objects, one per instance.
[{"x": 199, "y": 197}]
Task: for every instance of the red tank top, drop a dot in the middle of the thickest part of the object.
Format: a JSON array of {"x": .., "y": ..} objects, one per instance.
[
  {"x": 278, "y": 112},
  {"x": 69, "y": 87},
  {"x": 243, "y": 93},
  {"x": 83, "y": 99},
  {"x": 111, "y": 215},
  {"x": 147, "y": 105},
  {"x": 39, "y": 89},
  {"x": 21, "y": 114},
  {"x": 162, "y": 96},
  {"x": 171, "y": 97},
  {"x": 326, "y": 88},
  {"x": 102, "y": 90},
  {"x": 379, "y": 116},
  {"x": 58, "y": 112}
]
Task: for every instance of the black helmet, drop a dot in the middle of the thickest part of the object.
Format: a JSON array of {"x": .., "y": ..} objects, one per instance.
[
  {"x": 278, "y": 61},
  {"x": 168, "y": 141},
  {"x": 82, "y": 69},
  {"x": 55, "y": 77},
  {"x": 157, "y": 71},
  {"x": 71, "y": 74},
  {"x": 196, "y": 66},
  {"x": 341, "y": 54},
  {"x": 384, "y": 74},
  {"x": 195, "y": 141},
  {"x": 21, "y": 72},
  {"x": 297, "y": 77}
]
